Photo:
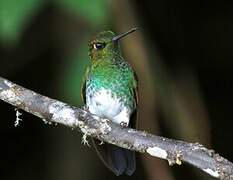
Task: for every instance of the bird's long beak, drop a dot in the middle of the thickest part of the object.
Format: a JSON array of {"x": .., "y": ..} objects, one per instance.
[{"x": 116, "y": 38}]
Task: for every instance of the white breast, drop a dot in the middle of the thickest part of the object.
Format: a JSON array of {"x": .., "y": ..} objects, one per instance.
[{"x": 103, "y": 103}]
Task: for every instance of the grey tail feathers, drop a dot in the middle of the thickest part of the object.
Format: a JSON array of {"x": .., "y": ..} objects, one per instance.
[{"x": 118, "y": 160}]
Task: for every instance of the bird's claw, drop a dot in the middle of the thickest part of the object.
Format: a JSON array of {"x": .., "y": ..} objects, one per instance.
[
  {"x": 101, "y": 143},
  {"x": 123, "y": 124},
  {"x": 85, "y": 108}
]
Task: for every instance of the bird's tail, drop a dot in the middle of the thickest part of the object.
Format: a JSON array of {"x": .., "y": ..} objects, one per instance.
[{"x": 117, "y": 159}]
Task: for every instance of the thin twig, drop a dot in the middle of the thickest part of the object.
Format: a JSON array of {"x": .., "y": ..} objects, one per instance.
[{"x": 174, "y": 151}]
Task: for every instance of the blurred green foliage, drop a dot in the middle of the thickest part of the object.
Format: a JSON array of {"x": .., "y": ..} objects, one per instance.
[
  {"x": 92, "y": 11},
  {"x": 71, "y": 86},
  {"x": 14, "y": 16}
]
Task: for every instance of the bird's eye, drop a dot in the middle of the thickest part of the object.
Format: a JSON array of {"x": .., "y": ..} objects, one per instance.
[{"x": 99, "y": 46}]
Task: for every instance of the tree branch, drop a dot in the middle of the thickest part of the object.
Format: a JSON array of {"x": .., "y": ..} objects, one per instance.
[{"x": 175, "y": 151}]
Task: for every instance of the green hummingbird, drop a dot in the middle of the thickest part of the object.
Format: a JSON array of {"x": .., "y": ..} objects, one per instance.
[{"x": 110, "y": 91}]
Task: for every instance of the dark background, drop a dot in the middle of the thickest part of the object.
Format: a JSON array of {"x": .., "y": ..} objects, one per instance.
[{"x": 183, "y": 56}]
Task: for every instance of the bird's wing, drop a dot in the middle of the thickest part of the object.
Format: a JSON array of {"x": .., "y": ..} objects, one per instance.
[
  {"x": 83, "y": 87},
  {"x": 134, "y": 116}
]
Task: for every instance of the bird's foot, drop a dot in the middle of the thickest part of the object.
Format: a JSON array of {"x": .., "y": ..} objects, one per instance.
[
  {"x": 124, "y": 124},
  {"x": 101, "y": 143},
  {"x": 85, "y": 108},
  {"x": 84, "y": 140}
]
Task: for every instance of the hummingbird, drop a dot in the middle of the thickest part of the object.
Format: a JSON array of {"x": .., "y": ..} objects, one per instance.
[{"x": 110, "y": 90}]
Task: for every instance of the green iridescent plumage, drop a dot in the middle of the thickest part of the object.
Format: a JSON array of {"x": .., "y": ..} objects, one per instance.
[
  {"x": 110, "y": 91},
  {"x": 115, "y": 75},
  {"x": 109, "y": 70}
]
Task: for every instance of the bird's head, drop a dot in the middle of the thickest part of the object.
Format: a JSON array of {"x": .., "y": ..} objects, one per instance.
[{"x": 105, "y": 43}]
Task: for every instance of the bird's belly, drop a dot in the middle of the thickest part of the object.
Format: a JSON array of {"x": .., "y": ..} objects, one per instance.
[{"x": 104, "y": 104}]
